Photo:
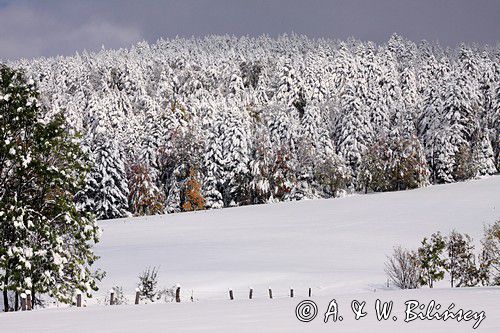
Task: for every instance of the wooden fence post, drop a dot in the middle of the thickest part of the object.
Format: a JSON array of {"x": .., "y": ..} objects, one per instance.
[
  {"x": 29, "y": 304},
  {"x": 79, "y": 300},
  {"x": 270, "y": 293},
  {"x": 111, "y": 297},
  {"x": 137, "y": 295},
  {"x": 310, "y": 292},
  {"x": 23, "y": 302},
  {"x": 291, "y": 292},
  {"x": 231, "y": 295},
  {"x": 178, "y": 293},
  {"x": 250, "y": 293}
]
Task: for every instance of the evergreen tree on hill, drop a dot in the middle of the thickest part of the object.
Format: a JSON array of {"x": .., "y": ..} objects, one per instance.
[{"x": 46, "y": 240}]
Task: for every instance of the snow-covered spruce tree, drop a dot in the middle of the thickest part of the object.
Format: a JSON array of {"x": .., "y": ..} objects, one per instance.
[
  {"x": 260, "y": 165},
  {"x": 355, "y": 131},
  {"x": 289, "y": 90},
  {"x": 306, "y": 154},
  {"x": 461, "y": 260},
  {"x": 235, "y": 143},
  {"x": 173, "y": 203},
  {"x": 106, "y": 190},
  {"x": 46, "y": 240},
  {"x": 213, "y": 164},
  {"x": 460, "y": 106},
  {"x": 495, "y": 125},
  {"x": 482, "y": 156}
]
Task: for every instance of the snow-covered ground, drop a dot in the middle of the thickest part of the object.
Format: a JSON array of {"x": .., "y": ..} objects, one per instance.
[
  {"x": 277, "y": 315},
  {"x": 337, "y": 247}
]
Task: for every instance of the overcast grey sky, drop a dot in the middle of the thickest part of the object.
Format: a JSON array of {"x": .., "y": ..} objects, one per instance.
[{"x": 30, "y": 28}]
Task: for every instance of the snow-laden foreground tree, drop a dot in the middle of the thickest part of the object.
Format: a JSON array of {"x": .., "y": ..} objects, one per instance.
[{"x": 46, "y": 240}]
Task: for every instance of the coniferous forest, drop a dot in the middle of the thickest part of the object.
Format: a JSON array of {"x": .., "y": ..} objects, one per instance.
[{"x": 189, "y": 124}]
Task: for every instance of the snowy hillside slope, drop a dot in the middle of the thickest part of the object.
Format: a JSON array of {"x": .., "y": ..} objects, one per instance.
[
  {"x": 337, "y": 247},
  {"x": 332, "y": 246}
]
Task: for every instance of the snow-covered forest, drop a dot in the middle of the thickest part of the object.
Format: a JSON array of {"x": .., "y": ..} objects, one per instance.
[{"x": 187, "y": 124}]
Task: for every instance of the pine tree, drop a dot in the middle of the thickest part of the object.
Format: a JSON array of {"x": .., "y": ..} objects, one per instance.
[
  {"x": 432, "y": 261},
  {"x": 46, "y": 240},
  {"x": 461, "y": 260},
  {"x": 489, "y": 270}
]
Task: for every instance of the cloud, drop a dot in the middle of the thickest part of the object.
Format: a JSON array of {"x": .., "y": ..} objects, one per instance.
[
  {"x": 30, "y": 28},
  {"x": 28, "y": 31}
]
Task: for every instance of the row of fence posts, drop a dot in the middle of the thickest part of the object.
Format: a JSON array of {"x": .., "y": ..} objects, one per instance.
[
  {"x": 250, "y": 293},
  {"x": 26, "y": 298},
  {"x": 112, "y": 300},
  {"x": 26, "y": 303}
]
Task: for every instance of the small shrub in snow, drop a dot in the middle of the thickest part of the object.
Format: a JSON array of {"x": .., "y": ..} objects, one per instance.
[
  {"x": 402, "y": 269},
  {"x": 119, "y": 297},
  {"x": 148, "y": 284}
]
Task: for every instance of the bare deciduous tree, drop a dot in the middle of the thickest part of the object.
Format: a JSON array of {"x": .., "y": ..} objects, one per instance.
[{"x": 402, "y": 268}]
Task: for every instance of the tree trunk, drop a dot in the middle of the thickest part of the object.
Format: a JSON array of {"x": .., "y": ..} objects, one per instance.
[
  {"x": 5, "y": 294},
  {"x": 5, "y": 301},
  {"x": 16, "y": 301},
  {"x": 34, "y": 301}
]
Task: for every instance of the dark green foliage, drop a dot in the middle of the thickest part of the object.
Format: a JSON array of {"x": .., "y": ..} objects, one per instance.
[
  {"x": 392, "y": 165},
  {"x": 432, "y": 261},
  {"x": 461, "y": 260},
  {"x": 46, "y": 239},
  {"x": 489, "y": 267}
]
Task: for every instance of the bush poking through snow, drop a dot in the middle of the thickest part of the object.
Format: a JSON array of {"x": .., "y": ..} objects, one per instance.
[
  {"x": 403, "y": 269},
  {"x": 148, "y": 284}
]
